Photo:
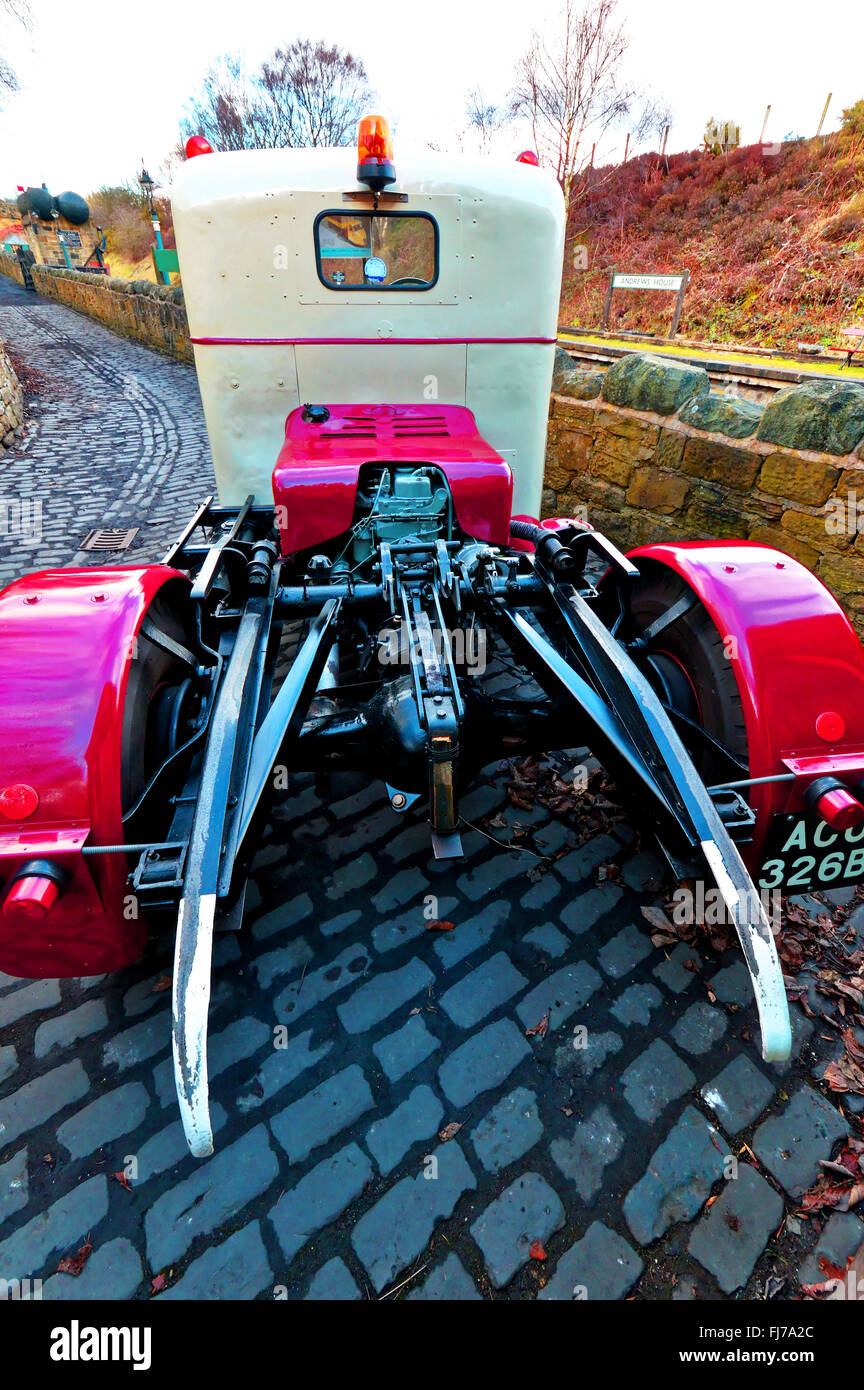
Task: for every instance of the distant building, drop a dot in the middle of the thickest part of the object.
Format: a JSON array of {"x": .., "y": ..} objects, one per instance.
[{"x": 58, "y": 230}]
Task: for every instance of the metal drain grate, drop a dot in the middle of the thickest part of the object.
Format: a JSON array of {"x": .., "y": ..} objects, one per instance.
[{"x": 110, "y": 538}]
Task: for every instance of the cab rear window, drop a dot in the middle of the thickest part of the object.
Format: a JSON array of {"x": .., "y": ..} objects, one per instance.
[{"x": 376, "y": 250}]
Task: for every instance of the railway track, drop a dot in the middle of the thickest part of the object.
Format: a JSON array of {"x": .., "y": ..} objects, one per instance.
[{"x": 750, "y": 377}]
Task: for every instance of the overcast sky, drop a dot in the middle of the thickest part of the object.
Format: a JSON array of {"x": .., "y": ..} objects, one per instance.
[{"x": 104, "y": 86}]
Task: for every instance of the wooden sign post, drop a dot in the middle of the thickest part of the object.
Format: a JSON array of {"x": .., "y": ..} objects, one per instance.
[{"x": 674, "y": 284}]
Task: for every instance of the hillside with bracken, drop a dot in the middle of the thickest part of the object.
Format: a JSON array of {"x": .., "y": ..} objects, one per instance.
[{"x": 773, "y": 237}]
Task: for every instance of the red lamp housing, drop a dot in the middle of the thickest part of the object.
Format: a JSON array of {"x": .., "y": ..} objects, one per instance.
[
  {"x": 528, "y": 157},
  {"x": 836, "y": 805},
  {"x": 375, "y": 165},
  {"x": 196, "y": 144},
  {"x": 35, "y": 889},
  {"x": 840, "y": 809}
]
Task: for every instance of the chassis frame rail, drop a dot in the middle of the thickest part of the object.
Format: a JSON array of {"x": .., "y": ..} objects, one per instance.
[{"x": 545, "y": 611}]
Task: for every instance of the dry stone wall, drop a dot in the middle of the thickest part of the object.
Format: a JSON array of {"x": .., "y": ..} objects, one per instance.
[
  {"x": 11, "y": 403},
  {"x": 647, "y": 452},
  {"x": 151, "y": 314},
  {"x": 10, "y": 267}
]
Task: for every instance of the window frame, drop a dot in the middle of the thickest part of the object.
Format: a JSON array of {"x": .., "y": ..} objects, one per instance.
[{"x": 370, "y": 213}]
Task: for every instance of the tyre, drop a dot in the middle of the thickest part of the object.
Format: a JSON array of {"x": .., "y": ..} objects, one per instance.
[
  {"x": 688, "y": 667},
  {"x": 159, "y": 696}
]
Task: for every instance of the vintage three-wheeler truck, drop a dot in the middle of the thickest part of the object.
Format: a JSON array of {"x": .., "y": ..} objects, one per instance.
[{"x": 374, "y": 346}]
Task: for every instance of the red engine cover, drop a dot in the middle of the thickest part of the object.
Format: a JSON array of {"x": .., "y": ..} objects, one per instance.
[
  {"x": 316, "y": 473},
  {"x": 66, "y": 644}
]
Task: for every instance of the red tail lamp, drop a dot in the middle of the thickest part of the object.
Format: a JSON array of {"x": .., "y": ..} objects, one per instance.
[
  {"x": 528, "y": 157},
  {"x": 375, "y": 165},
  {"x": 834, "y": 803},
  {"x": 35, "y": 889},
  {"x": 196, "y": 144}
]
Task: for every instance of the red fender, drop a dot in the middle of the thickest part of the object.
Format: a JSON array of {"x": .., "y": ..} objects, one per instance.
[
  {"x": 795, "y": 655},
  {"x": 66, "y": 645}
]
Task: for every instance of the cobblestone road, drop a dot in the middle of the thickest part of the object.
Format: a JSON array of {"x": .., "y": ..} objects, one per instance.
[{"x": 330, "y": 1179}]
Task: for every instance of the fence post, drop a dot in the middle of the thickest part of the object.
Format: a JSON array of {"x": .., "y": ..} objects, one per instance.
[
  {"x": 679, "y": 303},
  {"x": 608, "y": 305}
]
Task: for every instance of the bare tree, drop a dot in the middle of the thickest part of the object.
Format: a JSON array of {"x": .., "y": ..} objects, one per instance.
[
  {"x": 18, "y": 12},
  {"x": 485, "y": 119},
  {"x": 650, "y": 115},
  {"x": 229, "y": 111},
  {"x": 315, "y": 94},
  {"x": 306, "y": 94},
  {"x": 569, "y": 88}
]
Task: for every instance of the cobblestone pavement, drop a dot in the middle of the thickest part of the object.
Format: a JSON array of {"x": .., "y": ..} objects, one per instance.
[
  {"x": 346, "y": 1037},
  {"x": 115, "y": 437}
]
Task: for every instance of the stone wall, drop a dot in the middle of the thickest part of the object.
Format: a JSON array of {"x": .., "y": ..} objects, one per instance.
[
  {"x": 647, "y": 452},
  {"x": 9, "y": 266},
  {"x": 11, "y": 403},
  {"x": 152, "y": 314}
]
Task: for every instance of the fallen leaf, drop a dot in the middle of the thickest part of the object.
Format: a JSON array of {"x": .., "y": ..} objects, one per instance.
[
  {"x": 845, "y": 1075},
  {"x": 540, "y": 1029},
  {"x": 122, "y": 1179},
  {"x": 537, "y": 1251},
  {"x": 820, "y": 1290},
  {"x": 851, "y": 1286},
  {"x": 440, "y": 926},
  {"x": 839, "y": 1169},
  {"x": 658, "y": 919},
  {"x": 449, "y": 1131},
  {"x": 159, "y": 1283},
  {"x": 73, "y": 1264}
]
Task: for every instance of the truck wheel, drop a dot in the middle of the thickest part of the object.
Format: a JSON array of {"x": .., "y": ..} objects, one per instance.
[
  {"x": 159, "y": 697},
  {"x": 688, "y": 667}
]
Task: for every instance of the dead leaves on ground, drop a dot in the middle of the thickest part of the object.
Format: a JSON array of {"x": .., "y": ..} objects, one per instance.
[
  {"x": 449, "y": 1131},
  {"x": 586, "y": 803},
  {"x": 840, "y": 1284},
  {"x": 73, "y": 1264},
  {"x": 847, "y": 1074},
  {"x": 822, "y": 947},
  {"x": 540, "y": 1029},
  {"x": 841, "y": 1185},
  {"x": 668, "y": 930}
]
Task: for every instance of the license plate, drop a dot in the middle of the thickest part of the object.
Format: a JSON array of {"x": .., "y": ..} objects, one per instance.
[{"x": 802, "y": 853}]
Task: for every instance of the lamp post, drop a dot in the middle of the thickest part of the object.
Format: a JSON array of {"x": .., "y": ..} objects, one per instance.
[{"x": 147, "y": 186}]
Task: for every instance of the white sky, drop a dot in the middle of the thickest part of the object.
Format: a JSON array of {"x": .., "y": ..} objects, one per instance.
[{"x": 103, "y": 86}]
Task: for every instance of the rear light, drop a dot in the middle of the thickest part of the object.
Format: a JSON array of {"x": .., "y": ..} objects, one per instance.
[
  {"x": 35, "y": 889},
  {"x": 528, "y": 157},
  {"x": 18, "y": 801},
  {"x": 834, "y": 803},
  {"x": 375, "y": 165},
  {"x": 196, "y": 144},
  {"x": 840, "y": 809},
  {"x": 830, "y": 726}
]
